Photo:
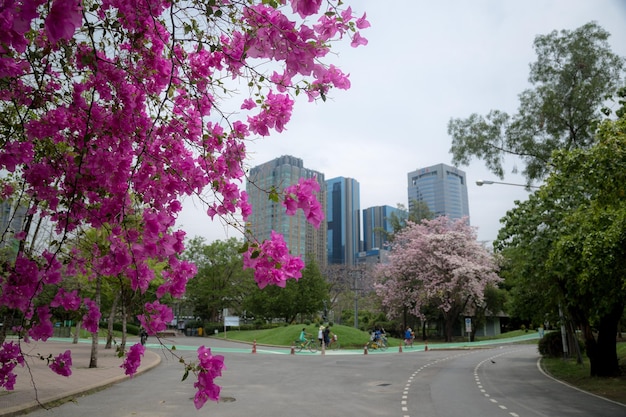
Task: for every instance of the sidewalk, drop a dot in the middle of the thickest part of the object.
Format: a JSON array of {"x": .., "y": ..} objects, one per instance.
[{"x": 50, "y": 387}]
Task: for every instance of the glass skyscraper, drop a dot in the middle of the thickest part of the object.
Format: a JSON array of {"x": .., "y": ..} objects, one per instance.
[
  {"x": 442, "y": 187},
  {"x": 376, "y": 226},
  {"x": 301, "y": 237},
  {"x": 344, "y": 220}
]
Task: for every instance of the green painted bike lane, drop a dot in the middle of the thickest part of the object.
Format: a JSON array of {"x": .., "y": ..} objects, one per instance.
[{"x": 222, "y": 346}]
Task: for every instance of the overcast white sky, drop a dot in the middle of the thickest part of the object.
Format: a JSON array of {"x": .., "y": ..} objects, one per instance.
[{"x": 426, "y": 62}]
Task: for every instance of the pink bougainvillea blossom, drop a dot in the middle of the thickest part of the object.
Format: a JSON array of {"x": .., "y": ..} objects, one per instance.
[
  {"x": 62, "y": 364},
  {"x": 305, "y": 7},
  {"x": 272, "y": 262},
  {"x": 91, "y": 318},
  {"x": 70, "y": 301},
  {"x": 133, "y": 359},
  {"x": 10, "y": 357},
  {"x": 64, "y": 17},
  {"x": 156, "y": 317},
  {"x": 209, "y": 368},
  {"x": 43, "y": 329},
  {"x": 302, "y": 196}
]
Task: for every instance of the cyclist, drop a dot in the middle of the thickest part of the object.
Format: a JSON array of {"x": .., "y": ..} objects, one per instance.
[
  {"x": 303, "y": 335},
  {"x": 378, "y": 333},
  {"x": 326, "y": 334},
  {"x": 408, "y": 337}
]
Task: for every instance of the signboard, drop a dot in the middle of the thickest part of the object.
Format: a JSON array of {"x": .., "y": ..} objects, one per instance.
[
  {"x": 468, "y": 325},
  {"x": 231, "y": 321}
]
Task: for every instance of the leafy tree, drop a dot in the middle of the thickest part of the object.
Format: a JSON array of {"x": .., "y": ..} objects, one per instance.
[
  {"x": 116, "y": 109},
  {"x": 305, "y": 297},
  {"x": 221, "y": 282},
  {"x": 493, "y": 301},
  {"x": 436, "y": 263},
  {"x": 417, "y": 212},
  {"x": 574, "y": 74},
  {"x": 572, "y": 235}
]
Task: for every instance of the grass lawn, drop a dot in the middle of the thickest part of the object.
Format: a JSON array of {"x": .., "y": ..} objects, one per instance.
[
  {"x": 348, "y": 337},
  {"x": 578, "y": 375}
]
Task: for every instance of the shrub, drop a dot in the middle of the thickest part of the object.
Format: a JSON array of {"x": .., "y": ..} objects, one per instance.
[{"x": 551, "y": 345}]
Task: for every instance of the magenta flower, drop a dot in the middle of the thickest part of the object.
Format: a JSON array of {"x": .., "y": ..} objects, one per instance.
[
  {"x": 362, "y": 22},
  {"x": 358, "y": 40},
  {"x": 10, "y": 357},
  {"x": 302, "y": 196},
  {"x": 43, "y": 329},
  {"x": 156, "y": 318},
  {"x": 305, "y": 7},
  {"x": 91, "y": 318},
  {"x": 133, "y": 359},
  {"x": 62, "y": 364},
  {"x": 210, "y": 367},
  {"x": 272, "y": 262},
  {"x": 64, "y": 17},
  {"x": 70, "y": 301}
]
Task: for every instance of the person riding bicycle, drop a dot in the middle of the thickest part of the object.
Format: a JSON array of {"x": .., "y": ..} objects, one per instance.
[
  {"x": 378, "y": 334},
  {"x": 303, "y": 335},
  {"x": 408, "y": 337}
]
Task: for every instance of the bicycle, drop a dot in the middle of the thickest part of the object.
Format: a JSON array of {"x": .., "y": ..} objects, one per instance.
[
  {"x": 380, "y": 343},
  {"x": 334, "y": 343},
  {"x": 309, "y": 344}
]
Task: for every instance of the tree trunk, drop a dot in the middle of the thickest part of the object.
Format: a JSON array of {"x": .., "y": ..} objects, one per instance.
[
  {"x": 448, "y": 320},
  {"x": 111, "y": 321},
  {"x": 79, "y": 324},
  {"x": 93, "y": 360},
  {"x": 603, "y": 352},
  {"x": 124, "y": 332}
]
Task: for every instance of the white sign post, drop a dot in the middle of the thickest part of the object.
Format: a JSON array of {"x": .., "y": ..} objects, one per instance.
[
  {"x": 468, "y": 328},
  {"x": 230, "y": 321}
]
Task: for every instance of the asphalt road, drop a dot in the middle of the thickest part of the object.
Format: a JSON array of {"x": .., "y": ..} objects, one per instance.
[{"x": 489, "y": 382}]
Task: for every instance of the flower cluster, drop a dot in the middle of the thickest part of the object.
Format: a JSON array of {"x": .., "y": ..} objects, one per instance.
[
  {"x": 272, "y": 262},
  {"x": 91, "y": 319},
  {"x": 302, "y": 196},
  {"x": 62, "y": 364},
  {"x": 209, "y": 368},
  {"x": 10, "y": 357},
  {"x": 156, "y": 317},
  {"x": 133, "y": 359}
]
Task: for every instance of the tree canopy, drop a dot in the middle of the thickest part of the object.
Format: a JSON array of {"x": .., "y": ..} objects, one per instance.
[
  {"x": 566, "y": 245},
  {"x": 436, "y": 263},
  {"x": 306, "y": 297},
  {"x": 574, "y": 74},
  {"x": 221, "y": 281}
]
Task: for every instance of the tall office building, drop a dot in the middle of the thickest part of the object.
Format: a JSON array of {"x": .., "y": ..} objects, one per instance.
[
  {"x": 343, "y": 216},
  {"x": 301, "y": 237},
  {"x": 376, "y": 226},
  {"x": 442, "y": 187}
]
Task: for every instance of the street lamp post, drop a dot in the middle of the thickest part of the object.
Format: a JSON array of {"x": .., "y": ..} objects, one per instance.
[
  {"x": 356, "y": 278},
  {"x": 480, "y": 183}
]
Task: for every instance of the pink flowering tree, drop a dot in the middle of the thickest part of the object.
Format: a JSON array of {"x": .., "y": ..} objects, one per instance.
[
  {"x": 436, "y": 263},
  {"x": 113, "y": 111}
]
